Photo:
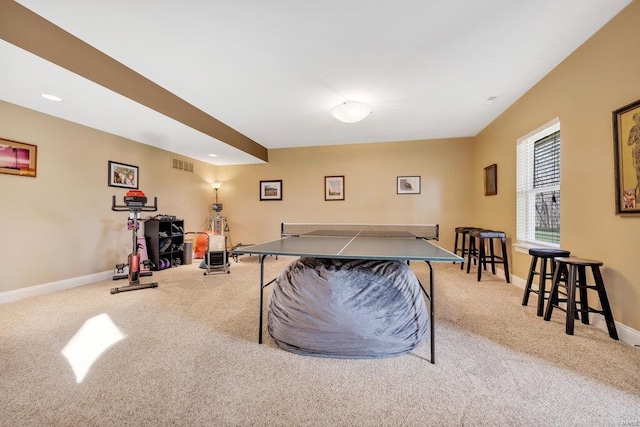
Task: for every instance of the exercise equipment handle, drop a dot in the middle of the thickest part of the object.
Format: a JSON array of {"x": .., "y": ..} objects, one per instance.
[{"x": 141, "y": 208}]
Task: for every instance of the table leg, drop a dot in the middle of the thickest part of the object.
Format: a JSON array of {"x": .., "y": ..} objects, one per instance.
[
  {"x": 431, "y": 314},
  {"x": 262, "y": 257},
  {"x": 262, "y": 286}
]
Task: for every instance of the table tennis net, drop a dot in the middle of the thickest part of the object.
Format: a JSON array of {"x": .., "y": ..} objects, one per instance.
[{"x": 426, "y": 231}]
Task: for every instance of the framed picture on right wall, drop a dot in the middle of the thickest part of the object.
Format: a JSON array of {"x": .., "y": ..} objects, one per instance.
[
  {"x": 626, "y": 152},
  {"x": 491, "y": 180}
]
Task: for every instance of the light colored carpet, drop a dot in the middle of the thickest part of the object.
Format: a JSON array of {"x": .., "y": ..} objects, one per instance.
[{"x": 189, "y": 356}]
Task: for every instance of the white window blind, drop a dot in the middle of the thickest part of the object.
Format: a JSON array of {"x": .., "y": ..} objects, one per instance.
[{"x": 538, "y": 186}]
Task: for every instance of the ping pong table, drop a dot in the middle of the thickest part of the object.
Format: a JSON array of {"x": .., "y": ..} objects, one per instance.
[{"x": 356, "y": 241}]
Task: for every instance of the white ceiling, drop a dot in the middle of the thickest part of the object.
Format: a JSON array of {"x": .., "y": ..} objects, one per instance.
[{"x": 273, "y": 70}]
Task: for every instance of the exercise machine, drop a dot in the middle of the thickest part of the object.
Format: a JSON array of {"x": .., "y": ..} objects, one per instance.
[
  {"x": 216, "y": 258},
  {"x": 135, "y": 202}
]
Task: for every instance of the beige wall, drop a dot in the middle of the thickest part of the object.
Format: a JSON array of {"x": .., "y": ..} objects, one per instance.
[
  {"x": 601, "y": 76},
  {"x": 60, "y": 225},
  {"x": 370, "y": 172}
]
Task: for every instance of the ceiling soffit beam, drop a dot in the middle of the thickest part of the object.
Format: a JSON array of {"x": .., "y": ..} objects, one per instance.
[{"x": 31, "y": 32}]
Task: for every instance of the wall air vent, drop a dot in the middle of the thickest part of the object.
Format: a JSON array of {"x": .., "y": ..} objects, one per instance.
[{"x": 182, "y": 165}]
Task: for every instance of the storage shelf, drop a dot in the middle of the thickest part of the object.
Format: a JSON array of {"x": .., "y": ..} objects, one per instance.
[{"x": 157, "y": 232}]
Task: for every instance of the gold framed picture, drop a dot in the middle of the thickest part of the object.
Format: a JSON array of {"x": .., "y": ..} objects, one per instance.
[
  {"x": 626, "y": 151},
  {"x": 18, "y": 158}
]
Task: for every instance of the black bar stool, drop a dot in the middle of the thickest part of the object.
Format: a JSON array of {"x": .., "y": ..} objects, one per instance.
[
  {"x": 479, "y": 252},
  {"x": 575, "y": 268},
  {"x": 464, "y": 232},
  {"x": 544, "y": 255}
]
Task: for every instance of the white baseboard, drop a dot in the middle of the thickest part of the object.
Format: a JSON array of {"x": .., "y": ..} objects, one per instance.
[
  {"x": 625, "y": 333},
  {"x": 47, "y": 288}
]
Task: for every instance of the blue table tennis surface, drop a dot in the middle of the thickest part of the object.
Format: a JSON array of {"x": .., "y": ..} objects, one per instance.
[{"x": 348, "y": 247}]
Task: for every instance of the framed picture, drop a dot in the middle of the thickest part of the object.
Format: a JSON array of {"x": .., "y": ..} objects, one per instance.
[
  {"x": 491, "y": 180},
  {"x": 334, "y": 187},
  {"x": 626, "y": 146},
  {"x": 408, "y": 185},
  {"x": 271, "y": 190},
  {"x": 18, "y": 158},
  {"x": 123, "y": 175}
]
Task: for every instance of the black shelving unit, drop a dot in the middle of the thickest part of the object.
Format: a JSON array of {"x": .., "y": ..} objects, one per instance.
[{"x": 165, "y": 242}]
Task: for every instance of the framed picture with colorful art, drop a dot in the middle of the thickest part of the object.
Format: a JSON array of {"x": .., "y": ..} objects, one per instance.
[
  {"x": 18, "y": 158},
  {"x": 122, "y": 175}
]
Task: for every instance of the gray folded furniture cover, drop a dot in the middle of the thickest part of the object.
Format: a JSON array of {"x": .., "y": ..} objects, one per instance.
[{"x": 347, "y": 308}]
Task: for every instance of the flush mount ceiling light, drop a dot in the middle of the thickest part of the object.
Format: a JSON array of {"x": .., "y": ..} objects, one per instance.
[{"x": 351, "y": 111}]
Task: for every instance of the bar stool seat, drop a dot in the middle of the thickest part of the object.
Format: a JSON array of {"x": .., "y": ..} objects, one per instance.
[
  {"x": 464, "y": 232},
  {"x": 479, "y": 252},
  {"x": 575, "y": 270},
  {"x": 546, "y": 257}
]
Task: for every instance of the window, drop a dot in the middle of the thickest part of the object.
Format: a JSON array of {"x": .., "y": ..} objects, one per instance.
[{"x": 538, "y": 186}]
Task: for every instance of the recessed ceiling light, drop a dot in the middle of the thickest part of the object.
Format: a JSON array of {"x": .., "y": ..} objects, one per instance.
[
  {"x": 51, "y": 97},
  {"x": 213, "y": 155},
  {"x": 490, "y": 100}
]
